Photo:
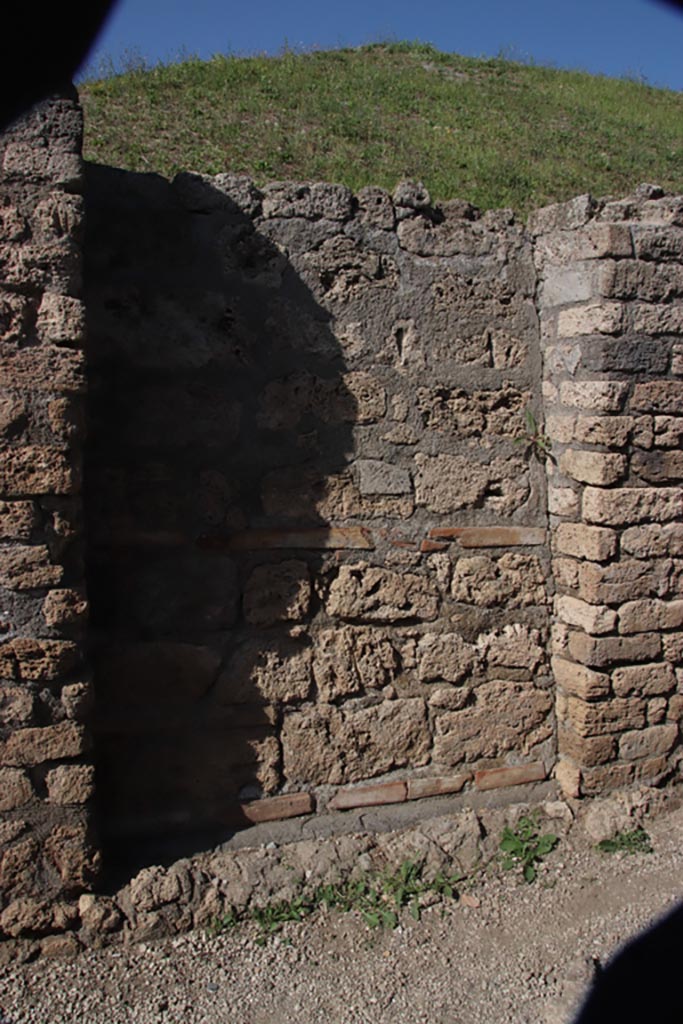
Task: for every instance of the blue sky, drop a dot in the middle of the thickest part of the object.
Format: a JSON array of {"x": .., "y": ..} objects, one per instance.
[{"x": 641, "y": 38}]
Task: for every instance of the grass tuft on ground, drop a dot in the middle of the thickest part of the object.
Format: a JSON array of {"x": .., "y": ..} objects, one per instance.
[{"x": 494, "y": 132}]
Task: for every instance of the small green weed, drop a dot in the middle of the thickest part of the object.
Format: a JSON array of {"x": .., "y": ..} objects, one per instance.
[
  {"x": 378, "y": 898},
  {"x": 637, "y": 841},
  {"x": 524, "y": 847},
  {"x": 535, "y": 441}
]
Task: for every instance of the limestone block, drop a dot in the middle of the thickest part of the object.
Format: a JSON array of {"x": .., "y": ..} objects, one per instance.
[
  {"x": 649, "y": 282},
  {"x": 564, "y": 284},
  {"x": 580, "y": 681},
  {"x": 590, "y": 467},
  {"x": 652, "y": 319},
  {"x": 594, "y": 395},
  {"x": 444, "y": 657},
  {"x": 668, "y": 431},
  {"x": 657, "y": 243},
  {"x": 18, "y": 519},
  {"x": 659, "y": 396},
  {"x": 591, "y": 318},
  {"x": 641, "y": 616},
  {"x": 49, "y": 743},
  {"x": 673, "y": 647},
  {"x": 653, "y": 540},
  {"x": 277, "y": 593},
  {"x": 593, "y": 619},
  {"x": 35, "y": 469},
  {"x": 656, "y": 710},
  {"x": 658, "y": 466},
  {"x": 605, "y": 717},
  {"x": 562, "y": 216},
  {"x": 513, "y": 579},
  {"x": 369, "y": 593},
  {"x": 43, "y": 368},
  {"x": 611, "y": 431},
  {"x": 602, "y": 651},
  {"x": 635, "y": 505},
  {"x": 653, "y": 679},
  {"x": 506, "y": 716},
  {"x": 377, "y": 477},
  {"x": 649, "y": 771},
  {"x": 650, "y": 742},
  {"x": 447, "y": 483},
  {"x": 265, "y": 670},
  {"x": 15, "y": 789},
  {"x": 64, "y": 607},
  {"x": 594, "y": 543},
  {"x": 563, "y": 501},
  {"x": 70, "y": 784}
]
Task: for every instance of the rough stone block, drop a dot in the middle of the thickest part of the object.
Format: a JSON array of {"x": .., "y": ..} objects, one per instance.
[
  {"x": 346, "y": 661},
  {"x": 588, "y": 467},
  {"x": 643, "y": 679},
  {"x": 658, "y": 466},
  {"x": 377, "y": 477},
  {"x": 265, "y": 670},
  {"x": 371, "y": 594},
  {"x": 580, "y": 681},
  {"x": 562, "y": 216},
  {"x": 586, "y": 750},
  {"x": 70, "y": 784},
  {"x": 610, "y": 716},
  {"x": 594, "y": 395},
  {"x": 602, "y": 651},
  {"x": 515, "y": 580},
  {"x": 37, "y": 660},
  {"x": 35, "y": 469},
  {"x": 448, "y": 483},
  {"x": 72, "y": 852},
  {"x": 444, "y": 657},
  {"x": 277, "y": 593},
  {"x": 635, "y": 505},
  {"x": 592, "y": 318},
  {"x": 650, "y": 742},
  {"x": 668, "y": 431},
  {"x": 61, "y": 320},
  {"x": 600, "y": 780},
  {"x": 593, "y": 619},
  {"x": 49, "y": 743},
  {"x": 593, "y": 543},
  {"x": 506, "y": 717},
  {"x": 657, "y": 243},
  {"x": 43, "y": 368},
  {"x": 15, "y": 789},
  {"x": 642, "y": 616},
  {"x": 28, "y": 567},
  {"x": 64, "y": 607},
  {"x": 659, "y": 396},
  {"x": 312, "y": 201},
  {"x": 563, "y": 501},
  {"x": 673, "y": 647},
  {"x": 653, "y": 540},
  {"x": 516, "y": 645},
  {"x": 16, "y": 705},
  {"x": 652, "y": 319}
]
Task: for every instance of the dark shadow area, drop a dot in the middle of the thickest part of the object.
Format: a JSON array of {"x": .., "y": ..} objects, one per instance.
[
  {"x": 217, "y": 412},
  {"x": 642, "y": 982}
]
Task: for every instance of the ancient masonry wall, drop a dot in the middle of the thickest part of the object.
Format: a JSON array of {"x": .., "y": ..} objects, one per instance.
[
  {"x": 329, "y": 562},
  {"x": 611, "y": 324},
  {"x": 47, "y": 851}
]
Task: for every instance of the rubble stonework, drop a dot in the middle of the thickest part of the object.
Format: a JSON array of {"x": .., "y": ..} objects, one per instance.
[
  {"x": 610, "y": 308},
  {"x": 48, "y": 851},
  {"x": 330, "y": 563}
]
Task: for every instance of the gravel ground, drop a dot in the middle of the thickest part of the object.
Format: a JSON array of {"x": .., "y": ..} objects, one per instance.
[{"x": 517, "y": 953}]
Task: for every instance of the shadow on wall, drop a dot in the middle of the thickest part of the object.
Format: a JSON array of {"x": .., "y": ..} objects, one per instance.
[{"x": 219, "y": 421}]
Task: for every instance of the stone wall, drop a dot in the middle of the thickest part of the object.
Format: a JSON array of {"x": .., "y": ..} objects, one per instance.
[
  {"x": 330, "y": 563},
  {"x": 317, "y": 552},
  {"x": 612, "y": 320},
  {"x": 46, "y": 773}
]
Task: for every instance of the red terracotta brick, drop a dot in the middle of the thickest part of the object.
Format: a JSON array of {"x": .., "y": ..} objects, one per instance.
[
  {"x": 496, "y": 778},
  {"x": 275, "y": 808},
  {"x": 437, "y": 785},
  {"x": 432, "y": 545},
  {"x": 369, "y": 796}
]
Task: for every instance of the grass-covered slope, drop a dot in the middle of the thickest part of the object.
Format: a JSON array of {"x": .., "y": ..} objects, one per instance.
[{"x": 490, "y": 131}]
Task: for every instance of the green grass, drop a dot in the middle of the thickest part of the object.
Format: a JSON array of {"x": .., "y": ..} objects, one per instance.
[{"x": 493, "y": 132}]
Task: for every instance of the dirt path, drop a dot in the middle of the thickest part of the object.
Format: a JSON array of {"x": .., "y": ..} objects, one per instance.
[{"x": 523, "y": 955}]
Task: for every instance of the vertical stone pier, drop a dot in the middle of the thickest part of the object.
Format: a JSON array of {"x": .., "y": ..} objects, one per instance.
[
  {"x": 47, "y": 852},
  {"x": 610, "y": 302}
]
